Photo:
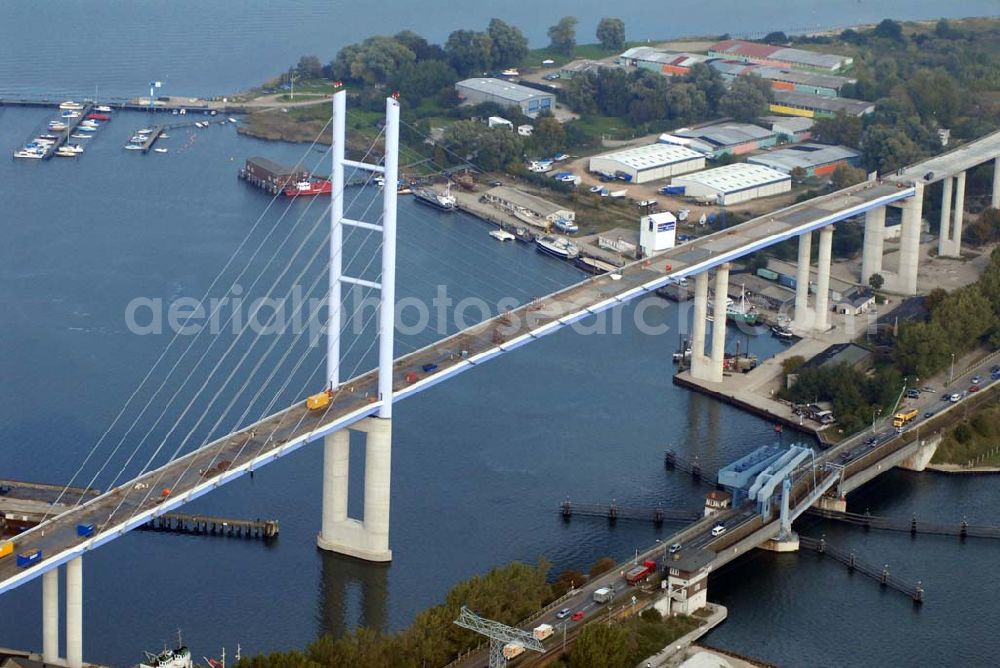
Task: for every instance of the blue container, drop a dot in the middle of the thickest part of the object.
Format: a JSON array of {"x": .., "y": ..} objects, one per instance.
[
  {"x": 25, "y": 559},
  {"x": 672, "y": 190},
  {"x": 84, "y": 529},
  {"x": 429, "y": 367},
  {"x": 787, "y": 281}
]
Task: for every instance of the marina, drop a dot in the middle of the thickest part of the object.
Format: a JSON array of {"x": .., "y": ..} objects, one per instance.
[{"x": 54, "y": 140}]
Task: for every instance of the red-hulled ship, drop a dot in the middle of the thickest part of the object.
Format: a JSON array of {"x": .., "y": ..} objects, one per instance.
[
  {"x": 310, "y": 187},
  {"x": 99, "y": 117}
]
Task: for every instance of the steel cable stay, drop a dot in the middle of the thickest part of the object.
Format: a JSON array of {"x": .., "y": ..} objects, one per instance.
[
  {"x": 264, "y": 385},
  {"x": 204, "y": 354},
  {"x": 166, "y": 349}
]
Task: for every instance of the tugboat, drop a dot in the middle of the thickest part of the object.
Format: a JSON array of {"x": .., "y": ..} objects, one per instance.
[
  {"x": 558, "y": 247},
  {"x": 309, "y": 187},
  {"x": 781, "y": 333},
  {"x": 444, "y": 201}
]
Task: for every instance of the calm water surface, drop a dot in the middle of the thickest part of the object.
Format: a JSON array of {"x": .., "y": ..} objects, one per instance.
[{"x": 480, "y": 462}]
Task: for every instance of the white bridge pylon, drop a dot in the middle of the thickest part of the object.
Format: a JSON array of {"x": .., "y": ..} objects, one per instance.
[{"x": 367, "y": 538}]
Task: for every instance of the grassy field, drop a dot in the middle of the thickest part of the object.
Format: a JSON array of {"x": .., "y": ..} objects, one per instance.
[
  {"x": 589, "y": 51},
  {"x": 975, "y": 440}
]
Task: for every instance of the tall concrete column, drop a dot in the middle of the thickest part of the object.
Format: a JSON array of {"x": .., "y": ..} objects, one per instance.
[
  {"x": 74, "y": 613},
  {"x": 956, "y": 234},
  {"x": 719, "y": 323},
  {"x": 698, "y": 325},
  {"x": 378, "y": 468},
  {"x": 823, "y": 278},
  {"x": 50, "y": 616},
  {"x": 995, "y": 194},
  {"x": 944, "y": 236},
  {"x": 909, "y": 242},
  {"x": 803, "y": 318},
  {"x": 871, "y": 260},
  {"x": 336, "y": 474}
]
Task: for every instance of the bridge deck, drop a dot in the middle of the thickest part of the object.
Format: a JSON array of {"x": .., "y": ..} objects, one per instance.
[{"x": 134, "y": 503}]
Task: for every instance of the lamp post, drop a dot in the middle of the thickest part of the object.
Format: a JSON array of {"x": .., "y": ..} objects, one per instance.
[
  {"x": 875, "y": 414},
  {"x": 951, "y": 376}
]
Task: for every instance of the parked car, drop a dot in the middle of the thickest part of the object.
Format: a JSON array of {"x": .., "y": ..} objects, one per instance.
[
  {"x": 563, "y": 614},
  {"x": 551, "y": 77}
]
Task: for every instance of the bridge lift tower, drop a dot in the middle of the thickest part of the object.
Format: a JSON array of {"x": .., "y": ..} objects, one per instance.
[{"x": 499, "y": 634}]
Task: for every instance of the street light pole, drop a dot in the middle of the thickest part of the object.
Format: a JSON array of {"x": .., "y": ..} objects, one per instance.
[{"x": 951, "y": 376}]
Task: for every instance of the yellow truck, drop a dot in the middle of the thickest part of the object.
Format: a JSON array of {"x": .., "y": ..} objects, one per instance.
[
  {"x": 319, "y": 401},
  {"x": 6, "y": 548},
  {"x": 902, "y": 417}
]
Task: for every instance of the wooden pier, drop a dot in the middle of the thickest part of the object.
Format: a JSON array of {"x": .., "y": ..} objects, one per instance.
[
  {"x": 204, "y": 525},
  {"x": 62, "y": 136}
]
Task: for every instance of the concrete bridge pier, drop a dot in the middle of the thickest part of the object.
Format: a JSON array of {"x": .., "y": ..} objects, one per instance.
[
  {"x": 719, "y": 323},
  {"x": 871, "y": 259},
  {"x": 50, "y": 616},
  {"x": 822, "y": 321},
  {"x": 919, "y": 460},
  {"x": 803, "y": 318},
  {"x": 698, "y": 362},
  {"x": 74, "y": 613},
  {"x": 709, "y": 367},
  {"x": 950, "y": 236},
  {"x": 944, "y": 233},
  {"x": 909, "y": 242},
  {"x": 995, "y": 193},
  {"x": 368, "y": 538}
]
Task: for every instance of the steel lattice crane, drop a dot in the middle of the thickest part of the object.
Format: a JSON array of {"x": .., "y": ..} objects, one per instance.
[{"x": 499, "y": 634}]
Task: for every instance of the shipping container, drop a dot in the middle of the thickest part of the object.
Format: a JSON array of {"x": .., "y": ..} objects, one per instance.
[
  {"x": 768, "y": 274},
  {"x": 673, "y": 190},
  {"x": 29, "y": 558},
  {"x": 787, "y": 281}
]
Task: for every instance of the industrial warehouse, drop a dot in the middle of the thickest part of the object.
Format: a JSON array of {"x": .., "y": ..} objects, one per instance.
[
  {"x": 664, "y": 62},
  {"x": 732, "y": 184},
  {"x": 813, "y": 159},
  {"x": 722, "y": 139},
  {"x": 529, "y": 100},
  {"x": 780, "y": 56},
  {"x": 648, "y": 163},
  {"x": 817, "y": 106}
]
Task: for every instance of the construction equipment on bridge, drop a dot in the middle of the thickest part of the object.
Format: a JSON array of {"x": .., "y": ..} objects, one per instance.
[
  {"x": 913, "y": 526},
  {"x": 501, "y": 637},
  {"x": 319, "y": 400},
  {"x": 884, "y": 577},
  {"x": 613, "y": 512}
]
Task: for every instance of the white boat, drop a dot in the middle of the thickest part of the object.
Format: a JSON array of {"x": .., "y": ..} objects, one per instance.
[
  {"x": 87, "y": 128},
  {"x": 71, "y": 105},
  {"x": 559, "y": 247},
  {"x": 104, "y": 109},
  {"x": 64, "y": 152},
  {"x": 595, "y": 189},
  {"x": 567, "y": 226},
  {"x": 70, "y": 114},
  {"x": 79, "y": 136},
  {"x": 703, "y": 219},
  {"x": 232, "y": 120},
  {"x": 511, "y": 72},
  {"x": 164, "y": 136},
  {"x": 618, "y": 193},
  {"x": 57, "y": 126},
  {"x": 502, "y": 235},
  {"x": 144, "y": 131},
  {"x": 682, "y": 215},
  {"x": 133, "y": 147},
  {"x": 137, "y": 139},
  {"x": 89, "y": 124},
  {"x": 71, "y": 148},
  {"x": 160, "y": 150},
  {"x": 32, "y": 154}
]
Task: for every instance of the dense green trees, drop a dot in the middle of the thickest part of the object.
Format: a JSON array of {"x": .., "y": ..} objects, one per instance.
[
  {"x": 600, "y": 646},
  {"x": 562, "y": 35},
  {"x": 840, "y": 129},
  {"x": 510, "y": 46},
  {"x": 309, "y": 67},
  {"x": 507, "y": 594},
  {"x": 611, "y": 33},
  {"x": 490, "y": 148},
  {"x": 426, "y": 78},
  {"x": 469, "y": 52},
  {"x": 746, "y": 99},
  {"x": 855, "y": 395}
]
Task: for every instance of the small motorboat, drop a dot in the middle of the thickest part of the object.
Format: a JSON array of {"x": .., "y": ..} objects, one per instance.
[
  {"x": 232, "y": 120},
  {"x": 160, "y": 150},
  {"x": 71, "y": 148},
  {"x": 30, "y": 153},
  {"x": 144, "y": 131},
  {"x": 104, "y": 109},
  {"x": 70, "y": 114},
  {"x": 502, "y": 235},
  {"x": 70, "y": 105},
  {"x": 57, "y": 126},
  {"x": 557, "y": 247},
  {"x": 133, "y": 147},
  {"x": 86, "y": 128},
  {"x": 66, "y": 152},
  {"x": 79, "y": 136},
  {"x": 164, "y": 136}
]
